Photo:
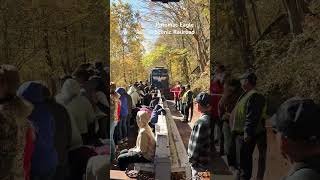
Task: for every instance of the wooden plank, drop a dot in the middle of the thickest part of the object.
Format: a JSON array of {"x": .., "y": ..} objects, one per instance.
[
  {"x": 148, "y": 167},
  {"x": 173, "y": 151},
  {"x": 118, "y": 175},
  {"x": 181, "y": 151}
]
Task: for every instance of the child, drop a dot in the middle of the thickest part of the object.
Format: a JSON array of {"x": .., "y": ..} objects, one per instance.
[{"x": 199, "y": 142}]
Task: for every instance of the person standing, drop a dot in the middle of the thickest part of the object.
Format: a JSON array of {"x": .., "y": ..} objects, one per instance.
[
  {"x": 14, "y": 112},
  {"x": 188, "y": 98},
  {"x": 133, "y": 92},
  {"x": 199, "y": 151},
  {"x": 80, "y": 110},
  {"x": 176, "y": 91},
  {"x": 114, "y": 103},
  {"x": 62, "y": 134},
  {"x": 248, "y": 126},
  {"x": 216, "y": 90},
  {"x": 44, "y": 157},
  {"x": 122, "y": 129},
  {"x": 296, "y": 124},
  {"x": 231, "y": 94},
  {"x": 129, "y": 117},
  {"x": 182, "y": 99}
]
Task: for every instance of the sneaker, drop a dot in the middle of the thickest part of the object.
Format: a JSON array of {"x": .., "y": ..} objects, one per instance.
[
  {"x": 120, "y": 142},
  {"x": 125, "y": 139}
]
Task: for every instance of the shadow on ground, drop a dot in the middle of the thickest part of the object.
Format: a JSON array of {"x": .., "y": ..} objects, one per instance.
[{"x": 219, "y": 167}]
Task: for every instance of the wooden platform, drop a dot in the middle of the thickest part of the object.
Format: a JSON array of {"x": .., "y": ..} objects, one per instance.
[
  {"x": 170, "y": 155},
  {"x": 118, "y": 175}
]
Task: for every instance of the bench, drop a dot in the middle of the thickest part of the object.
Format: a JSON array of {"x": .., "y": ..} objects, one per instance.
[{"x": 170, "y": 155}]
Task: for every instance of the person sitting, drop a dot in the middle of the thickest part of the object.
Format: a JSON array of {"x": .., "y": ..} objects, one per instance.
[
  {"x": 154, "y": 101},
  {"x": 145, "y": 145},
  {"x": 154, "y": 116}
]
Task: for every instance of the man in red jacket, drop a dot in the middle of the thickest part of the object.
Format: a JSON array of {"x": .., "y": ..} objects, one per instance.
[{"x": 216, "y": 90}]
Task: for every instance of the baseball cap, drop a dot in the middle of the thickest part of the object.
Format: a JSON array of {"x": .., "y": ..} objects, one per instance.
[
  {"x": 298, "y": 118},
  {"x": 203, "y": 99},
  {"x": 250, "y": 76}
]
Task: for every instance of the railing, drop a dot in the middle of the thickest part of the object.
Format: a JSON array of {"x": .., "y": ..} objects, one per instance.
[{"x": 170, "y": 154}]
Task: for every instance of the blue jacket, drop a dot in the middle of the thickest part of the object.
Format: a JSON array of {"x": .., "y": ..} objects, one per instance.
[
  {"x": 155, "y": 113},
  {"x": 44, "y": 158},
  {"x": 124, "y": 110}
]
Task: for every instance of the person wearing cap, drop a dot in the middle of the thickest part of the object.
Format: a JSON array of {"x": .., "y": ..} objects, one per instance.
[
  {"x": 199, "y": 142},
  {"x": 248, "y": 128},
  {"x": 145, "y": 144},
  {"x": 14, "y": 112},
  {"x": 188, "y": 100},
  {"x": 296, "y": 124}
]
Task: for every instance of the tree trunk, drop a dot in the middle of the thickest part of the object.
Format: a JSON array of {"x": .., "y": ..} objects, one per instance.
[
  {"x": 296, "y": 10},
  {"x": 184, "y": 71},
  {"x": 242, "y": 23},
  {"x": 5, "y": 37},
  {"x": 84, "y": 46},
  {"x": 256, "y": 19},
  {"x": 46, "y": 43},
  {"x": 66, "y": 50}
]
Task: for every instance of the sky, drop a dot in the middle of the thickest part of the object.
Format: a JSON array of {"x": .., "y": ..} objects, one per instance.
[{"x": 150, "y": 36}]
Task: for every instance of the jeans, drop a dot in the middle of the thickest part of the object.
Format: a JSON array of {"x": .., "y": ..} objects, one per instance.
[
  {"x": 262, "y": 148},
  {"x": 128, "y": 124},
  {"x": 122, "y": 128},
  {"x": 244, "y": 151},
  {"x": 113, "y": 125},
  {"x": 220, "y": 135},
  {"x": 182, "y": 107},
  {"x": 127, "y": 157},
  {"x": 177, "y": 103},
  {"x": 187, "y": 111},
  {"x": 49, "y": 176},
  {"x": 229, "y": 147}
]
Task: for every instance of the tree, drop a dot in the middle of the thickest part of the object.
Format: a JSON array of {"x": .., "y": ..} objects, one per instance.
[{"x": 125, "y": 28}]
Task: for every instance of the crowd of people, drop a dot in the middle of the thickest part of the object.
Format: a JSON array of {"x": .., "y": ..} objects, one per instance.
[
  {"x": 233, "y": 117},
  {"x": 236, "y": 113},
  {"x": 183, "y": 98},
  {"x": 128, "y": 119},
  {"x": 47, "y": 136}
]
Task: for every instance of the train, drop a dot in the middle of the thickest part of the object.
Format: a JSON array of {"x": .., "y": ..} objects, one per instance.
[{"x": 159, "y": 78}]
